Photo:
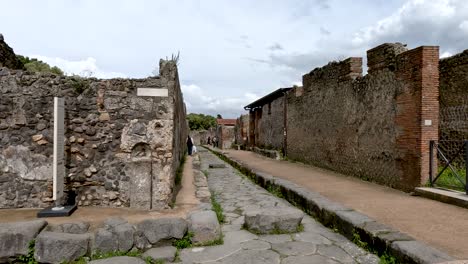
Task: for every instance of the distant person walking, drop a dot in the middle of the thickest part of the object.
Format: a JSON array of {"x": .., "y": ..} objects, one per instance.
[
  {"x": 189, "y": 145},
  {"x": 209, "y": 140}
]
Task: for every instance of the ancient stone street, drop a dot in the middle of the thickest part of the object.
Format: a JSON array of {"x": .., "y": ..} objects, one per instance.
[{"x": 237, "y": 194}]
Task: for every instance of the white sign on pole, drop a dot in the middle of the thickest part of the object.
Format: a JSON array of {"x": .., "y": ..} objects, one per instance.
[{"x": 59, "y": 134}]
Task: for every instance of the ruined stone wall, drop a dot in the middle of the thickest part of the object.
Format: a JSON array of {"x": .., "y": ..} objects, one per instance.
[
  {"x": 201, "y": 137},
  {"x": 241, "y": 130},
  {"x": 270, "y": 126},
  {"x": 226, "y": 136},
  {"x": 454, "y": 97},
  {"x": 372, "y": 127},
  {"x": 121, "y": 149}
]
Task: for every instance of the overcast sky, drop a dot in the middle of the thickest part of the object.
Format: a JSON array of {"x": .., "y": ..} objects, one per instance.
[{"x": 231, "y": 52}]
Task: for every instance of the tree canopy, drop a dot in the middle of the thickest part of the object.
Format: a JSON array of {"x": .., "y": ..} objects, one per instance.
[
  {"x": 201, "y": 121},
  {"x": 35, "y": 65}
]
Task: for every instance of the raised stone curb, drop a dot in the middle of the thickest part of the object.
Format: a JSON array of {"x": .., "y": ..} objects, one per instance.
[
  {"x": 205, "y": 226},
  {"x": 348, "y": 222},
  {"x": 15, "y": 237},
  {"x": 161, "y": 253},
  {"x": 55, "y": 247},
  {"x": 119, "y": 260},
  {"x": 162, "y": 228},
  {"x": 72, "y": 228}
]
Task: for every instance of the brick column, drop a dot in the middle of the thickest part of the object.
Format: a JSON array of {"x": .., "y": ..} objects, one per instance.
[{"x": 417, "y": 115}]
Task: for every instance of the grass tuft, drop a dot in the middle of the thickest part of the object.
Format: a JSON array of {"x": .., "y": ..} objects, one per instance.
[{"x": 217, "y": 209}]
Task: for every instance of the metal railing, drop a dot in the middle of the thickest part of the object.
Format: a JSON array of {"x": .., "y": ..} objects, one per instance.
[{"x": 452, "y": 164}]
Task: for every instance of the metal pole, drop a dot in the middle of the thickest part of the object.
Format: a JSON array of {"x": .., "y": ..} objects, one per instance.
[
  {"x": 431, "y": 162},
  {"x": 466, "y": 166}
]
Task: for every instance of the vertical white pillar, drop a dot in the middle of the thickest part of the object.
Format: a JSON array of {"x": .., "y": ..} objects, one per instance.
[{"x": 59, "y": 134}]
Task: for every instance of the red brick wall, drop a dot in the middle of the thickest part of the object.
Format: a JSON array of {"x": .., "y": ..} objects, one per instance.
[{"x": 418, "y": 70}]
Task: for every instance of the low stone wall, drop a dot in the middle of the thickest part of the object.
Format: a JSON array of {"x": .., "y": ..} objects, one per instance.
[
  {"x": 273, "y": 154},
  {"x": 121, "y": 149},
  {"x": 226, "y": 136},
  {"x": 201, "y": 137}
]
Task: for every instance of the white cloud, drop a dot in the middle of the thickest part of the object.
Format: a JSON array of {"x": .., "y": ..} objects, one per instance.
[
  {"x": 197, "y": 101},
  {"x": 446, "y": 54},
  {"x": 86, "y": 68},
  {"x": 231, "y": 50},
  {"x": 464, "y": 26},
  {"x": 421, "y": 22}
]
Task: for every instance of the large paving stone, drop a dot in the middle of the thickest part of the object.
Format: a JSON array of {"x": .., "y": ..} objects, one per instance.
[
  {"x": 312, "y": 237},
  {"x": 252, "y": 257},
  {"x": 256, "y": 245},
  {"x": 270, "y": 220},
  {"x": 208, "y": 254},
  {"x": 276, "y": 238},
  {"x": 235, "y": 237},
  {"x": 55, "y": 247},
  {"x": 119, "y": 260},
  {"x": 162, "y": 228},
  {"x": 313, "y": 259},
  {"x": 335, "y": 252},
  {"x": 15, "y": 237},
  {"x": 161, "y": 253},
  {"x": 205, "y": 227},
  {"x": 294, "y": 248}
]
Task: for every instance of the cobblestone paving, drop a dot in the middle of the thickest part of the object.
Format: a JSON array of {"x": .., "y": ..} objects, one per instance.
[{"x": 236, "y": 193}]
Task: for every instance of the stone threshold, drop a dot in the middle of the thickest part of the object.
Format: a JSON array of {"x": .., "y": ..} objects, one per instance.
[
  {"x": 352, "y": 224},
  {"x": 443, "y": 195}
]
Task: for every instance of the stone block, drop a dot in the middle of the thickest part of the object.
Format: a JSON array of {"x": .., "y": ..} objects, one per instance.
[
  {"x": 72, "y": 228},
  {"x": 205, "y": 226},
  {"x": 348, "y": 221},
  {"x": 54, "y": 247},
  {"x": 162, "y": 228},
  {"x": 161, "y": 253},
  {"x": 15, "y": 237},
  {"x": 119, "y": 260},
  {"x": 105, "y": 241},
  {"x": 417, "y": 252},
  {"x": 268, "y": 220},
  {"x": 124, "y": 234}
]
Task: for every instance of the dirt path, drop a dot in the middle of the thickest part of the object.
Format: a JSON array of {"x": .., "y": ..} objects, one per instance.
[
  {"x": 186, "y": 195},
  {"x": 440, "y": 225}
]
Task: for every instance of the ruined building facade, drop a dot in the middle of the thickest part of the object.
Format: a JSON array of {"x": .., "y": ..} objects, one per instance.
[
  {"x": 121, "y": 149},
  {"x": 376, "y": 127}
]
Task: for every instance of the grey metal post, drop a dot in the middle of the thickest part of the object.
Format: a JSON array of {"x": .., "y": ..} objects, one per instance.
[
  {"x": 431, "y": 162},
  {"x": 466, "y": 166}
]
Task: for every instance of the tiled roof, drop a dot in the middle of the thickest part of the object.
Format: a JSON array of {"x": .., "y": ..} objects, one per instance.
[{"x": 226, "y": 122}]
